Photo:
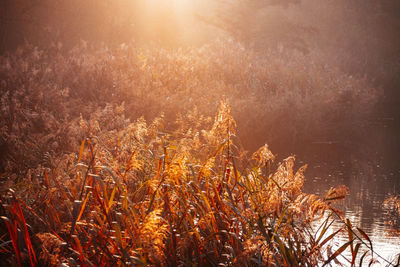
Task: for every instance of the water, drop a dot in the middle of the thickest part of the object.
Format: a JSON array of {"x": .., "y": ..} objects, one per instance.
[{"x": 370, "y": 167}]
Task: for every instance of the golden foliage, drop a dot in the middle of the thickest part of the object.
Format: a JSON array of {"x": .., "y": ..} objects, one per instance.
[
  {"x": 144, "y": 196},
  {"x": 93, "y": 164}
]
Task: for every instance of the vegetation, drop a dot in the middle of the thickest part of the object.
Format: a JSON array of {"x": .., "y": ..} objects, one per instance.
[
  {"x": 45, "y": 93},
  {"x": 360, "y": 37},
  {"x": 118, "y": 145},
  {"x": 137, "y": 194},
  {"x": 393, "y": 206}
]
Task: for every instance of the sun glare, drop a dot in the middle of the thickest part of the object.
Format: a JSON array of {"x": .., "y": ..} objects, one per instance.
[
  {"x": 167, "y": 20},
  {"x": 178, "y": 7}
]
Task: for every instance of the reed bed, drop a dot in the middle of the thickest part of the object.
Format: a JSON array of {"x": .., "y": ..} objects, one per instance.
[
  {"x": 146, "y": 196},
  {"x": 116, "y": 157},
  {"x": 277, "y": 97}
]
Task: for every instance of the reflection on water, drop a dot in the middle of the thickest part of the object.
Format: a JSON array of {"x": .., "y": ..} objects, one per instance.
[
  {"x": 370, "y": 168},
  {"x": 386, "y": 246}
]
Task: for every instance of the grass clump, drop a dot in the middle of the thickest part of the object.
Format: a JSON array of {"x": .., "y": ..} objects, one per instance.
[{"x": 138, "y": 194}]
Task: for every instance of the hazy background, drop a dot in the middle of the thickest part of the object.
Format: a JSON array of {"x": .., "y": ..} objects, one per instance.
[
  {"x": 358, "y": 38},
  {"x": 361, "y": 37}
]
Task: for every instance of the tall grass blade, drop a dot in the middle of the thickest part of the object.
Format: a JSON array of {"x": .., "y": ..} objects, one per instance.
[
  {"x": 362, "y": 258},
  {"x": 28, "y": 243},
  {"x": 79, "y": 214},
  {"x": 278, "y": 224},
  {"x": 338, "y": 252},
  {"x": 81, "y": 150},
  {"x": 13, "y": 231},
  {"x": 357, "y": 247},
  {"x": 366, "y": 237},
  {"x": 350, "y": 235}
]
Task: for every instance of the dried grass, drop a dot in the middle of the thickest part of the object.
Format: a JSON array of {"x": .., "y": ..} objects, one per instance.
[{"x": 101, "y": 185}]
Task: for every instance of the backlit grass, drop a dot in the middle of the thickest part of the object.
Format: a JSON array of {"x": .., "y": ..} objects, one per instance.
[{"x": 146, "y": 196}]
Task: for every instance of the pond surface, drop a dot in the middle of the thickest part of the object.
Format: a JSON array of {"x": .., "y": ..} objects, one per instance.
[{"x": 370, "y": 167}]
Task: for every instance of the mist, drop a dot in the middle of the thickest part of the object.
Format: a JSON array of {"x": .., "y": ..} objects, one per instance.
[{"x": 179, "y": 132}]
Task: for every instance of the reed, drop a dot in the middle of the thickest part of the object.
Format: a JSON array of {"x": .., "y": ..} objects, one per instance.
[
  {"x": 143, "y": 195},
  {"x": 283, "y": 98},
  {"x": 113, "y": 157}
]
